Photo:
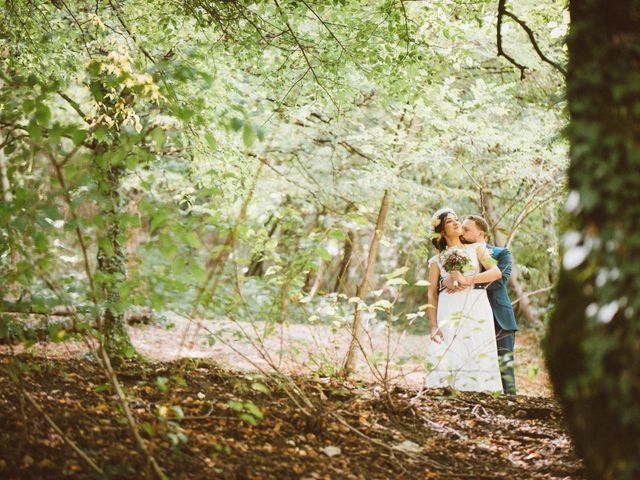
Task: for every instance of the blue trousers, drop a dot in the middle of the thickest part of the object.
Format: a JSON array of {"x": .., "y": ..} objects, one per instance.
[{"x": 506, "y": 340}]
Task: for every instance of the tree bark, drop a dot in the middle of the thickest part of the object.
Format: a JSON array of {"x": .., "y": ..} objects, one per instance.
[
  {"x": 112, "y": 264},
  {"x": 593, "y": 340},
  {"x": 356, "y": 330},
  {"x": 343, "y": 272}
]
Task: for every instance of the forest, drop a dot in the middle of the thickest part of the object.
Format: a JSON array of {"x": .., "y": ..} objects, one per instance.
[{"x": 218, "y": 221}]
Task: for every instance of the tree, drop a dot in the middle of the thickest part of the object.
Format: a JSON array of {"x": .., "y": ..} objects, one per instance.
[{"x": 593, "y": 341}]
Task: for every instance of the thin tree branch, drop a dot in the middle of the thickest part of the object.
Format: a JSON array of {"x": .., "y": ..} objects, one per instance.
[
  {"x": 503, "y": 12},
  {"x": 59, "y": 431},
  {"x": 542, "y": 56},
  {"x": 501, "y": 52}
]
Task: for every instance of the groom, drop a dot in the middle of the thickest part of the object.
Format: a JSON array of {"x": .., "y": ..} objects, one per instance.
[{"x": 474, "y": 230}]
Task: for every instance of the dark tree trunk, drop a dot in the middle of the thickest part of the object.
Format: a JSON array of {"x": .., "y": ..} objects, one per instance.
[{"x": 593, "y": 341}]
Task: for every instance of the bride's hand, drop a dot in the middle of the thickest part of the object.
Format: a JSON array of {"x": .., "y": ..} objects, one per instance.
[
  {"x": 436, "y": 335},
  {"x": 461, "y": 279}
]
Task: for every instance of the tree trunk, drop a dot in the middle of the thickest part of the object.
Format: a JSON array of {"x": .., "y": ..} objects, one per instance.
[
  {"x": 593, "y": 341},
  {"x": 343, "y": 272},
  {"x": 364, "y": 286},
  {"x": 112, "y": 265}
]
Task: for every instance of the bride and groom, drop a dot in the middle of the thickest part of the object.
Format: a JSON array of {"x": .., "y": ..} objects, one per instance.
[{"x": 472, "y": 322}]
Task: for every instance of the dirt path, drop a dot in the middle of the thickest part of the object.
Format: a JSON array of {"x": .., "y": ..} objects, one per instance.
[{"x": 303, "y": 349}]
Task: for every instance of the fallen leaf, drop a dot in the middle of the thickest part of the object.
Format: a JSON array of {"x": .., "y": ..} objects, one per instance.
[
  {"x": 331, "y": 451},
  {"x": 408, "y": 447}
]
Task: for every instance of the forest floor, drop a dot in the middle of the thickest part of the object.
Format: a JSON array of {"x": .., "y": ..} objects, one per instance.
[{"x": 226, "y": 420}]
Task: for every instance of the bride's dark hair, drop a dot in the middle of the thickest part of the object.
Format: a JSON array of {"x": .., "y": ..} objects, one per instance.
[{"x": 437, "y": 236}]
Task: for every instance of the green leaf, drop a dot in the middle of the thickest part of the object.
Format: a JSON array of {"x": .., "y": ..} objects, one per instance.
[
  {"x": 161, "y": 383},
  {"x": 236, "y": 123},
  {"x": 130, "y": 351},
  {"x": 28, "y": 105},
  {"x": 337, "y": 234},
  {"x": 235, "y": 405},
  {"x": 193, "y": 240},
  {"x": 105, "y": 387},
  {"x": 248, "y": 418},
  {"x": 397, "y": 272},
  {"x": 78, "y": 136},
  {"x": 260, "y": 133},
  {"x": 159, "y": 137},
  {"x": 260, "y": 387},
  {"x": 178, "y": 412},
  {"x": 147, "y": 428},
  {"x": 43, "y": 114},
  {"x": 100, "y": 133},
  {"x": 253, "y": 410},
  {"x": 324, "y": 254},
  {"x": 34, "y": 130},
  {"x": 248, "y": 135},
  {"x": 211, "y": 140}
]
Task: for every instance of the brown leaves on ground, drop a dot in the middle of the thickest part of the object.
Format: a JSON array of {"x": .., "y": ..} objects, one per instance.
[{"x": 212, "y": 423}]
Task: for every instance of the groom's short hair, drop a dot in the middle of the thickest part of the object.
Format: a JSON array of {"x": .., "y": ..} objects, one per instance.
[{"x": 480, "y": 222}]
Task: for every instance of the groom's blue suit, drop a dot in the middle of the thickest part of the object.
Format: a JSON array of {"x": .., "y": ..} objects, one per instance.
[{"x": 503, "y": 316}]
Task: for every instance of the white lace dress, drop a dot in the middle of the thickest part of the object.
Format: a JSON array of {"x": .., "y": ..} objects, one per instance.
[{"x": 467, "y": 359}]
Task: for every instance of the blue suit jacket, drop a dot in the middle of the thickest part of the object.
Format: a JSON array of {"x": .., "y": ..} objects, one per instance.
[{"x": 497, "y": 291}]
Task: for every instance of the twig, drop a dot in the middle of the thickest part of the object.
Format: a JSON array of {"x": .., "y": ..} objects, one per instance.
[
  {"x": 478, "y": 184},
  {"x": 535, "y": 292},
  {"x": 75, "y": 105},
  {"x": 67, "y": 440}
]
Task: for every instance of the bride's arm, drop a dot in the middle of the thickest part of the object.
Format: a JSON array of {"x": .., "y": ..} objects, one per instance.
[
  {"x": 432, "y": 296},
  {"x": 492, "y": 272}
]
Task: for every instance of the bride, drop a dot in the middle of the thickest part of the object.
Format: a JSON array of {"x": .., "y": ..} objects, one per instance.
[{"x": 462, "y": 352}]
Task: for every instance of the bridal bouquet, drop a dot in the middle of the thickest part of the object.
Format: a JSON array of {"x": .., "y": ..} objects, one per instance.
[{"x": 455, "y": 259}]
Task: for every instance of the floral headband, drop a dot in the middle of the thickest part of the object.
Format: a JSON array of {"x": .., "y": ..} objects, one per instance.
[{"x": 436, "y": 221}]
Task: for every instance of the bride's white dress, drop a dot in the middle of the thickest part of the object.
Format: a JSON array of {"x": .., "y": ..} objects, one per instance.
[{"x": 467, "y": 359}]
